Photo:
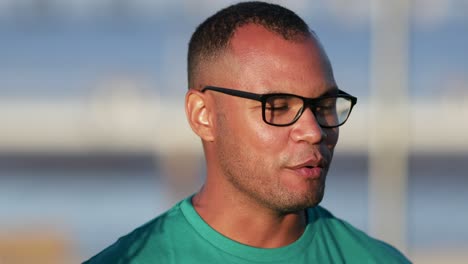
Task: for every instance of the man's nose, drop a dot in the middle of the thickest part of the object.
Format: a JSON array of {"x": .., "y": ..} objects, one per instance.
[{"x": 307, "y": 129}]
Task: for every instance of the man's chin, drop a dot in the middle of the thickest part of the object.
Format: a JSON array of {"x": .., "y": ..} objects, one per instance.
[{"x": 297, "y": 205}]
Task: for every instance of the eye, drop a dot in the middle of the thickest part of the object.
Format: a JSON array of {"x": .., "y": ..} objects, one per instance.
[
  {"x": 328, "y": 104},
  {"x": 278, "y": 104},
  {"x": 278, "y": 107}
]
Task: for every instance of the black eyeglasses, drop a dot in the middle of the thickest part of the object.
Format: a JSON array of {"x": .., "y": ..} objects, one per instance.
[{"x": 283, "y": 109}]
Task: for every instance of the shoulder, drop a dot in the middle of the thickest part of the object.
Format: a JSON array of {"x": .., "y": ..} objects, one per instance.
[
  {"x": 145, "y": 241},
  {"x": 350, "y": 243}
]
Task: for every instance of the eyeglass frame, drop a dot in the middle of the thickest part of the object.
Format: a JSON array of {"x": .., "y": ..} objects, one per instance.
[{"x": 306, "y": 102}]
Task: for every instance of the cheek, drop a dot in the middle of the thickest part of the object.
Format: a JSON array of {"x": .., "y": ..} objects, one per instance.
[
  {"x": 258, "y": 143},
  {"x": 332, "y": 137},
  {"x": 267, "y": 138},
  {"x": 252, "y": 134}
]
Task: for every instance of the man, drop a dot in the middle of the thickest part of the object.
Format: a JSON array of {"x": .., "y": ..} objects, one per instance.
[{"x": 263, "y": 100}]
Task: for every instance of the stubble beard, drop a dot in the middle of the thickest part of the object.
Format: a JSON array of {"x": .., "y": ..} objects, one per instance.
[{"x": 247, "y": 173}]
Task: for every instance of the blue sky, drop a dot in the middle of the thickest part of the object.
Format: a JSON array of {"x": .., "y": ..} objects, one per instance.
[{"x": 65, "y": 52}]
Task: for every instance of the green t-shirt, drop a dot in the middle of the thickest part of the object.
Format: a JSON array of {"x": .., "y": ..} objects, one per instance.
[{"x": 181, "y": 236}]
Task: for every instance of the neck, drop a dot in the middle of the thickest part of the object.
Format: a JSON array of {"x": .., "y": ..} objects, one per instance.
[{"x": 246, "y": 222}]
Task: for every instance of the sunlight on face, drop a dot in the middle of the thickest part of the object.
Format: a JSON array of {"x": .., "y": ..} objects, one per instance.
[{"x": 282, "y": 168}]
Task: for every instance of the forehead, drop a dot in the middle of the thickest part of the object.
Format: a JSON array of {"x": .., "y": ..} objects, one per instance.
[{"x": 261, "y": 61}]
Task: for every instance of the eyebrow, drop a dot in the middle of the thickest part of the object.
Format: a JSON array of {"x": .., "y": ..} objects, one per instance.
[{"x": 332, "y": 90}]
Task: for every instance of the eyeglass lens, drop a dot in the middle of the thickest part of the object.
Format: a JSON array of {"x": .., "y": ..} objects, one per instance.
[{"x": 329, "y": 112}]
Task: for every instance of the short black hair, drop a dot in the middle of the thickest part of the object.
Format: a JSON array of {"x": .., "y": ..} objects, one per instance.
[{"x": 213, "y": 35}]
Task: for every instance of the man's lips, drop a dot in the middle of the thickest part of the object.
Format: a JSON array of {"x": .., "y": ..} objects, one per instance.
[
  {"x": 309, "y": 172},
  {"x": 315, "y": 162},
  {"x": 312, "y": 169}
]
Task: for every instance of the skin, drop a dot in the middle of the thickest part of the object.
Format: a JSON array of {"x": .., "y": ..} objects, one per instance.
[{"x": 256, "y": 187}]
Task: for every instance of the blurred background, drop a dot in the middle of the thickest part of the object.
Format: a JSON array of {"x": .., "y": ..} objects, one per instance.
[{"x": 94, "y": 140}]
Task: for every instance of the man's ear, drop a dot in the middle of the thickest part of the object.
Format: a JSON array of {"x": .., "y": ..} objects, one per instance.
[{"x": 197, "y": 110}]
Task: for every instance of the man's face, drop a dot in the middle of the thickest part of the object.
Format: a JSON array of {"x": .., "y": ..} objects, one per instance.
[{"x": 281, "y": 168}]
